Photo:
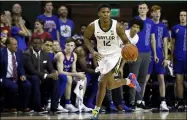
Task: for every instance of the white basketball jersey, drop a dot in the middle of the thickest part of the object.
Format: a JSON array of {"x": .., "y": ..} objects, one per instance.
[{"x": 107, "y": 42}]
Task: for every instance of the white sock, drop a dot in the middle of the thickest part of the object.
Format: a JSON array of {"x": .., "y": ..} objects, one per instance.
[
  {"x": 128, "y": 81},
  {"x": 97, "y": 108},
  {"x": 138, "y": 101}
]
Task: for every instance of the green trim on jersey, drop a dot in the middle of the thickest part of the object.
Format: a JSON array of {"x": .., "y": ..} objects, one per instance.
[{"x": 108, "y": 28}]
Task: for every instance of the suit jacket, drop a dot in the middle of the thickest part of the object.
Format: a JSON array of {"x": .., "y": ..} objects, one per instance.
[
  {"x": 31, "y": 64},
  {"x": 4, "y": 62}
]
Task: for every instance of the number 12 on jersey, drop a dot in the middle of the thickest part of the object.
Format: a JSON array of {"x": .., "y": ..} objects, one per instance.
[{"x": 106, "y": 43}]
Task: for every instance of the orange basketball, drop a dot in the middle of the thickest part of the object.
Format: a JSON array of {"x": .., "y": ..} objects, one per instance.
[{"x": 129, "y": 52}]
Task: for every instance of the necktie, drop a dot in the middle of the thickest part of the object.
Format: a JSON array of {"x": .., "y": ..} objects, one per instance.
[
  {"x": 14, "y": 67},
  {"x": 38, "y": 58}
]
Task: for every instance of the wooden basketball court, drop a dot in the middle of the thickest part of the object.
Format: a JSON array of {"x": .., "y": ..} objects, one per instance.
[{"x": 107, "y": 116}]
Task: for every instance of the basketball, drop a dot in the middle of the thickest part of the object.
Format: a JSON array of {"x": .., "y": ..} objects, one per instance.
[{"x": 129, "y": 52}]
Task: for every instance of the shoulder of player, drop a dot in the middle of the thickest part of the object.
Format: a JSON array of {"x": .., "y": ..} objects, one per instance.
[{"x": 75, "y": 55}]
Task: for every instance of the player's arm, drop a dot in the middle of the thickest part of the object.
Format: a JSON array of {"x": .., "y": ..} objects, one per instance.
[
  {"x": 172, "y": 48},
  {"x": 121, "y": 33},
  {"x": 60, "y": 65},
  {"x": 74, "y": 63},
  {"x": 82, "y": 60},
  {"x": 153, "y": 44},
  {"x": 87, "y": 35}
]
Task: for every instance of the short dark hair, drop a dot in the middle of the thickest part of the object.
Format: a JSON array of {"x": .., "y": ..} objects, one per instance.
[
  {"x": 48, "y": 39},
  {"x": 103, "y": 6},
  {"x": 40, "y": 21},
  {"x": 183, "y": 10},
  {"x": 68, "y": 40},
  {"x": 8, "y": 40},
  {"x": 142, "y": 2},
  {"x": 137, "y": 22},
  {"x": 33, "y": 38},
  {"x": 46, "y": 2},
  {"x": 83, "y": 25}
]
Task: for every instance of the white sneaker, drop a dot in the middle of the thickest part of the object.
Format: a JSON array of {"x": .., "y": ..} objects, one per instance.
[
  {"x": 71, "y": 108},
  {"x": 48, "y": 107},
  {"x": 60, "y": 108},
  {"x": 86, "y": 109},
  {"x": 163, "y": 106}
]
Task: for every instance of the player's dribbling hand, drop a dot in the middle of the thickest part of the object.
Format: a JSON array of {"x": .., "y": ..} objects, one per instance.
[
  {"x": 98, "y": 56},
  {"x": 156, "y": 59}
]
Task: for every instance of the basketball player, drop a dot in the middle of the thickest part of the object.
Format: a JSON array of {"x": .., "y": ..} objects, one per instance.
[
  {"x": 108, "y": 33},
  {"x": 86, "y": 63},
  {"x": 179, "y": 56},
  {"x": 161, "y": 35},
  {"x": 67, "y": 65}
]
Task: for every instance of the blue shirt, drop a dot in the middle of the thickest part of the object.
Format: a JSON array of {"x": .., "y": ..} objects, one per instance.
[
  {"x": 145, "y": 35},
  {"x": 65, "y": 30},
  {"x": 178, "y": 32},
  {"x": 20, "y": 39},
  {"x": 50, "y": 24},
  {"x": 161, "y": 32},
  {"x": 68, "y": 63}
]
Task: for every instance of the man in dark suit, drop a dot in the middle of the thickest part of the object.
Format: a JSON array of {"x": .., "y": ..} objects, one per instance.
[
  {"x": 41, "y": 73},
  {"x": 13, "y": 77}
]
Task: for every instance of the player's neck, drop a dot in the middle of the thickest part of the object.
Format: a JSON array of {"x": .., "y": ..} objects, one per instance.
[
  {"x": 105, "y": 22},
  {"x": 183, "y": 23},
  {"x": 64, "y": 19},
  {"x": 132, "y": 34},
  {"x": 156, "y": 21},
  {"x": 48, "y": 14},
  {"x": 40, "y": 31},
  {"x": 143, "y": 17},
  {"x": 67, "y": 53}
]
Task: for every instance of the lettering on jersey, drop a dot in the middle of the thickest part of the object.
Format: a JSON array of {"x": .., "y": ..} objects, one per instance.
[
  {"x": 106, "y": 37},
  {"x": 184, "y": 45},
  {"x": 50, "y": 24},
  {"x": 160, "y": 36},
  {"x": 148, "y": 34}
]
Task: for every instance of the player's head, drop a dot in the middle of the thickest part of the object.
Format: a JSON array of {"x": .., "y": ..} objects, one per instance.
[
  {"x": 136, "y": 25},
  {"x": 47, "y": 46},
  {"x": 70, "y": 45},
  {"x": 39, "y": 24},
  {"x": 156, "y": 12},
  {"x": 3, "y": 17},
  {"x": 124, "y": 23},
  {"x": 79, "y": 42},
  {"x": 16, "y": 9},
  {"x": 36, "y": 44},
  {"x": 83, "y": 28},
  {"x": 63, "y": 11},
  {"x": 56, "y": 46},
  {"x": 48, "y": 6},
  {"x": 165, "y": 22},
  {"x": 143, "y": 9},
  {"x": 182, "y": 16},
  {"x": 104, "y": 12},
  {"x": 11, "y": 44}
]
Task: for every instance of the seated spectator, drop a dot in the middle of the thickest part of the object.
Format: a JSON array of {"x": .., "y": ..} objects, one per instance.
[
  {"x": 67, "y": 66},
  {"x": 81, "y": 33},
  {"x": 86, "y": 63},
  {"x": 13, "y": 78},
  {"x": 53, "y": 49},
  {"x": 19, "y": 31},
  {"x": 41, "y": 73},
  {"x": 39, "y": 31}
]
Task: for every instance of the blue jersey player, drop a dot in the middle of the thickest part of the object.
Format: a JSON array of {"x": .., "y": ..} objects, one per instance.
[
  {"x": 161, "y": 36},
  {"x": 178, "y": 56}
]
